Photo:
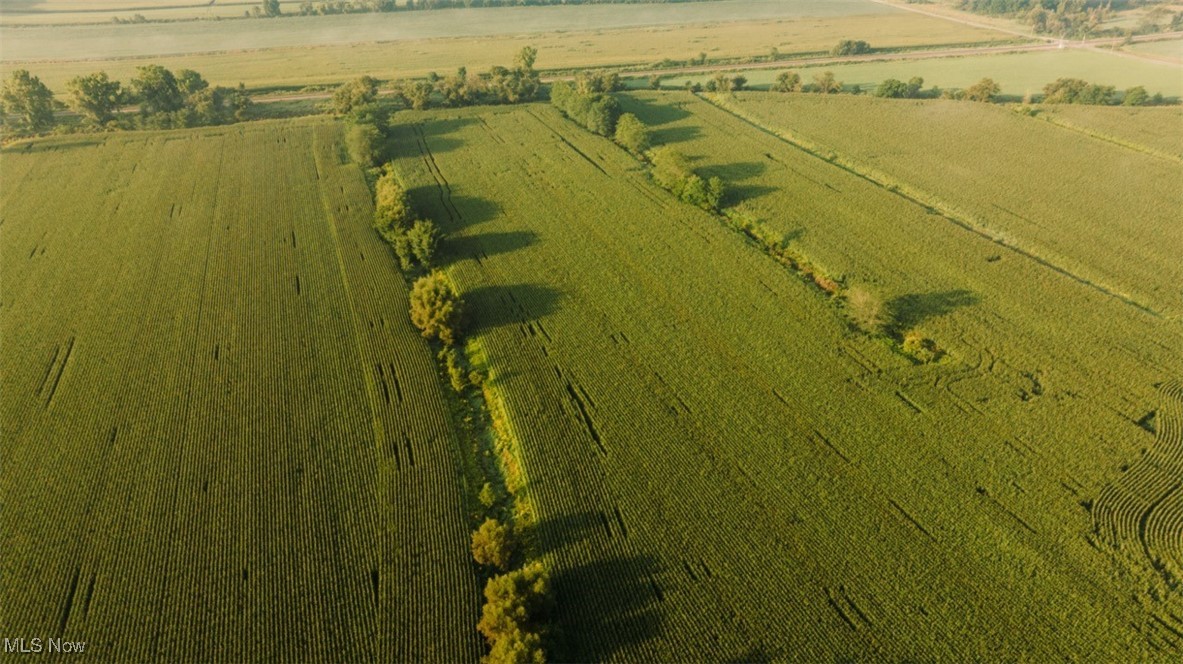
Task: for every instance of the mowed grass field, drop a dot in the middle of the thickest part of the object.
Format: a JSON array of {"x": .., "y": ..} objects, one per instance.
[
  {"x": 222, "y": 439},
  {"x": 1017, "y": 74},
  {"x": 642, "y": 47},
  {"x": 722, "y": 467}
]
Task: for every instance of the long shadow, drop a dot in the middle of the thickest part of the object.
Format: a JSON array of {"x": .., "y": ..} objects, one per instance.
[
  {"x": 491, "y": 307},
  {"x": 677, "y": 134},
  {"x": 734, "y": 194},
  {"x": 553, "y": 534},
  {"x": 605, "y": 606},
  {"x": 908, "y": 311},
  {"x": 487, "y": 244},
  {"x": 451, "y": 213},
  {"x": 653, "y": 113}
]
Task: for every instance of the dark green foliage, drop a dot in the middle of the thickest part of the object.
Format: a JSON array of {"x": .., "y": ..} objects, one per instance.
[
  {"x": 492, "y": 543},
  {"x": 896, "y": 88},
  {"x": 787, "y": 81},
  {"x": 392, "y": 207},
  {"x": 364, "y": 142},
  {"x": 632, "y": 133},
  {"x": 1135, "y": 96},
  {"x": 984, "y": 90},
  {"x": 95, "y": 97},
  {"x": 672, "y": 171},
  {"x": 423, "y": 241},
  {"x": 355, "y": 96},
  {"x": 1077, "y": 91},
  {"x": 851, "y": 47},
  {"x": 190, "y": 82},
  {"x": 271, "y": 8},
  {"x": 436, "y": 308},
  {"x": 156, "y": 90},
  {"x": 26, "y": 97},
  {"x": 596, "y": 111},
  {"x": 517, "y": 605}
]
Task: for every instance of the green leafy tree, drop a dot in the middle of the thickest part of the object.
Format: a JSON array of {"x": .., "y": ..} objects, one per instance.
[
  {"x": 825, "y": 83},
  {"x": 1077, "y": 91},
  {"x": 892, "y": 88},
  {"x": 436, "y": 308},
  {"x": 271, "y": 8},
  {"x": 632, "y": 133},
  {"x": 787, "y": 81},
  {"x": 355, "y": 95},
  {"x": 157, "y": 91},
  {"x": 190, "y": 82},
  {"x": 984, "y": 90},
  {"x": 95, "y": 97},
  {"x": 493, "y": 545},
  {"x": 915, "y": 85},
  {"x": 517, "y": 605},
  {"x": 850, "y": 47},
  {"x": 364, "y": 141},
  {"x": 26, "y": 97},
  {"x": 392, "y": 206},
  {"x": 423, "y": 242},
  {"x": 1135, "y": 96}
]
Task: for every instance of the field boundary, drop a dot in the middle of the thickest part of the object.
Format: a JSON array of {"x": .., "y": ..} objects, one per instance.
[
  {"x": 925, "y": 200},
  {"x": 1107, "y": 138}
]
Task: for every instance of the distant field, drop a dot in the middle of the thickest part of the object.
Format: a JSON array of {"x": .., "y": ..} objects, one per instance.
[
  {"x": 638, "y": 46},
  {"x": 1169, "y": 50},
  {"x": 222, "y": 439},
  {"x": 1017, "y": 73},
  {"x": 721, "y": 466},
  {"x": 1155, "y": 128},
  {"x": 55, "y": 12},
  {"x": 110, "y": 41},
  {"x": 979, "y": 160}
]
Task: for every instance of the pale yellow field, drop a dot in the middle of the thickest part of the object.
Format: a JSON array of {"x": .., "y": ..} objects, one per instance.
[{"x": 644, "y": 46}]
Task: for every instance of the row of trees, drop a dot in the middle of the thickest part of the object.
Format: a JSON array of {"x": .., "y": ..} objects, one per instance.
[
  {"x": 588, "y": 103},
  {"x": 271, "y": 8},
  {"x": 165, "y": 99},
  {"x": 1077, "y": 91}
]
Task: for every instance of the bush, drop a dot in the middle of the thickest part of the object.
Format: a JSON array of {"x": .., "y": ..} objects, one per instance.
[
  {"x": 392, "y": 206},
  {"x": 1135, "y": 96},
  {"x": 364, "y": 144},
  {"x": 851, "y": 47},
  {"x": 787, "y": 81},
  {"x": 516, "y": 607},
  {"x": 865, "y": 309},
  {"x": 423, "y": 240},
  {"x": 984, "y": 90},
  {"x": 436, "y": 308},
  {"x": 632, "y": 133},
  {"x": 596, "y": 111},
  {"x": 1077, "y": 91},
  {"x": 354, "y": 95},
  {"x": 672, "y": 171},
  {"x": 492, "y": 544},
  {"x": 921, "y": 348}
]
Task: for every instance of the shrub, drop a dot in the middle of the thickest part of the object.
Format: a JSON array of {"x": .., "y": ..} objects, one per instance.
[
  {"x": 354, "y": 95},
  {"x": 984, "y": 90},
  {"x": 423, "y": 240},
  {"x": 787, "y": 81},
  {"x": 363, "y": 142},
  {"x": 596, "y": 111},
  {"x": 492, "y": 544},
  {"x": 920, "y": 347},
  {"x": 392, "y": 206},
  {"x": 1135, "y": 96},
  {"x": 632, "y": 133},
  {"x": 1077, "y": 91},
  {"x": 436, "y": 308},
  {"x": 516, "y": 606},
  {"x": 851, "y": 47},
  {"x": 865, "y": 310}
]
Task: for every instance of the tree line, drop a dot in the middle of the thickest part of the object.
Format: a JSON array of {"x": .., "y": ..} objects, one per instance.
[
  {"x": 272, "y": 8},
  {"x": 165, "y": 99}
]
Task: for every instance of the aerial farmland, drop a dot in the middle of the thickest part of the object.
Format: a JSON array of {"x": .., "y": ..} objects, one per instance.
[{"x": 711, "y": 331}]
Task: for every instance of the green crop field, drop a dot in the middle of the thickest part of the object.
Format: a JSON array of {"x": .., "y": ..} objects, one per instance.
[
  {"x": 1018, "y": 74},
  {"x": 1112, "y": 223},
  {"x": 576, "y": 46},
  {"x": 1150, "y": 129},
  {"x": 222, "y": 439},
  {"x": 721, "y": 466}
]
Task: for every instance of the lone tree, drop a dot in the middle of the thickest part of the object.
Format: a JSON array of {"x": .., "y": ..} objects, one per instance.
[
  {"x": 787, "y": 81},
  {"x": 492, "y": 544},
  {"x": 355, "y": 95},
  {"x": 983, "y": 90},
  {"x": 632, "y": 133},
  {"x": 26, "y": 97},
  {"x": 95, "y": 97},
  {"x": 436, "y": 308},
  {"x": 271, "y": 8},
  {"x": 826, "y": 84}
]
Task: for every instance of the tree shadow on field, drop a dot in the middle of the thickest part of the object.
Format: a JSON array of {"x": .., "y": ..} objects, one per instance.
[
  {"x": 605, "y": 606},
  {"x": 670, "y": 135},
  {"x": 907, "y": 311},
  {"x": 486, "y": 244},
  {"x": 491, "y": 307},
  {"x": 451, "y": 213},
  {"x": 553, "y": 534},
  {"x": 654, "y": 112},
  {"x": 406, "y": 130},
  {"x": 734, "y": 175}
]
